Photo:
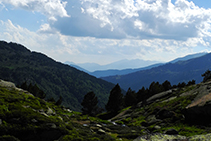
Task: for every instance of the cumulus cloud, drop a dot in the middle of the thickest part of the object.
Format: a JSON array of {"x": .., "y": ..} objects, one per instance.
[
  {"x": 50, "y": 8},
  {"x": 141, "y": 19},
  {"x": 123, "y": 19}
]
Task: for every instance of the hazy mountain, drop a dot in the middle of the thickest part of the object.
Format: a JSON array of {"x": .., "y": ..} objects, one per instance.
[
  {"x": 105, "y": 73},
  {"x": 18, "y": 64},
  {"x": 119, "y": 65},
  {"x": 188, "y": 57},
  {"x": 173, "y": 72},
  {"x": 76, "y": 66}
]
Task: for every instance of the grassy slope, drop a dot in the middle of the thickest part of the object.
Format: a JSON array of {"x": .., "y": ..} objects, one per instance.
[
  {"x": 22, "y": 117},
  {"x": 18, "y": 64},
  {"x": 25, "y": 117}
]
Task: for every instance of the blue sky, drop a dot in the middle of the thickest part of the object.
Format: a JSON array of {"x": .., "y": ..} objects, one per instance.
[{"x": 104, "y": 31}]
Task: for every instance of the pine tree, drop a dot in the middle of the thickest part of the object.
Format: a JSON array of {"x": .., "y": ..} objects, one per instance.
[
  {"x": 115, "y": 102},
  {"x": 166, "y": 85},
  {"x": 130, "y": 98},
  {"x": 206, "y": 75},
  {"x": 89, "y": 104}
]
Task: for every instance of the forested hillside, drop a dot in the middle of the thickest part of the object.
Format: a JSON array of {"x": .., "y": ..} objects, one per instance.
[
  {"x": 19, "y": 65},
  {"x": 182, "y": 71}
]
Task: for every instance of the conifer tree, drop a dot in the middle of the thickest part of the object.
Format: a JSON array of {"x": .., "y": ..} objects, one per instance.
[
  {"x": 89, "y": 104},
  {"x": 130, "y": 98},
  {"x": 115, "y": 102}
]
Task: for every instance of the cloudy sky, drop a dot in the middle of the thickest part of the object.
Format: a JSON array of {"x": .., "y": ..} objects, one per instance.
[{"x": 104, "y": 31}]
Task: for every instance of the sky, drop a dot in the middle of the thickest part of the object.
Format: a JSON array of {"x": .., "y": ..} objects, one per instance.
[{"x": 105, "y": 31}]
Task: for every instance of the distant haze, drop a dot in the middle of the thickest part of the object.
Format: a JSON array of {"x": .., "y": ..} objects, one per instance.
[{"x": 119, "y": 65}]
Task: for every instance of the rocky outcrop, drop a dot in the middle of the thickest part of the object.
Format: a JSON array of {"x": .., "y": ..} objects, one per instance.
[
  {"x": 199, "y": 111},
  {"x": 10, "y": 85},
  {"x": 165, "y": 137}
]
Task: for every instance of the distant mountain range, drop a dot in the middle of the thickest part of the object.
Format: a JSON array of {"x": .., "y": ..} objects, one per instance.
[
  {"x": 119, "y": 65},
  {"x": 19, "y": 65},
  {"x": 181, "y": 71},
  {"x": 110, "y": 72}
]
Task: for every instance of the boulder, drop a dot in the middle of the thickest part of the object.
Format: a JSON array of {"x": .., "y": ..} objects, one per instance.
[{"x": 160, "y": 96}]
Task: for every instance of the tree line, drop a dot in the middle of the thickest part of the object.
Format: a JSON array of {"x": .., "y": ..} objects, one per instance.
[{"x": 118, "y": 101}]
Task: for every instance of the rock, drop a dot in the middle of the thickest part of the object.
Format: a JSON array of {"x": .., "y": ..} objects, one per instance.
[
  {"x": 43, "y": 113},
  {"x": 34, "y": 120},
  {"x": 152, "y": 120},
  {"x": 60, "y": 118},
  {"x": 163, "y": 114},
  {"x": 171, "y": 132},
  {"x": 51, "y": 125},
  {"x": 157, "y": 127},
  {"x": 101, "y": 132},
  {"x": 85, "y": 125},
  {"x": 199, "y": 111},
  {"x": 50, "y": 112},
  {"x": 7, "y": 84},
  {"x": 8, "y": 138},
  {"x": 159, "y": 96},
  {"x": 206, "y": 137},
  {"x": 160, "y": 137},
  {"x": 0, "y": 121},
  {"x": 98, "y": 125}
]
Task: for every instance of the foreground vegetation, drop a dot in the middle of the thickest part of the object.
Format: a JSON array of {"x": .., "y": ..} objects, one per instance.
[{"x": 25, "y": 117}]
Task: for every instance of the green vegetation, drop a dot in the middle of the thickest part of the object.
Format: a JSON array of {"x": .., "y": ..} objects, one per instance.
[
  {"x": 23, "y": 114},
  {"x": 115, "y": 101},
  {"x": 28, "y": 116},
  {"x": 90, "y": 104},
  {"x": 19, "y": 65}
]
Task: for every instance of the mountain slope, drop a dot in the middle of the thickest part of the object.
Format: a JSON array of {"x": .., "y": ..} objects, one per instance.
[
  {"x": 173, "y": 72},
  {"x": 18, "y": 64}
]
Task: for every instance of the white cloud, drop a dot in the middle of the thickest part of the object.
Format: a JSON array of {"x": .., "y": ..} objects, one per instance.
[
  {"x": 50, "y": 8},
  {"x": 140, "y": 19}
]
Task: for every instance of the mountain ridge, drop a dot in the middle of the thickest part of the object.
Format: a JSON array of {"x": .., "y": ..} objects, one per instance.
[
  {"x": 181, "y": 71},
  {"x": 19, "y": 65},
  {"x": 111, "y": 72}
]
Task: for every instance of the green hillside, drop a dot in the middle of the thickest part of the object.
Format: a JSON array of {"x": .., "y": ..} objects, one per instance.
[
  {"x": 176, "y": 114},
  {"x": 19, "y": 65}
]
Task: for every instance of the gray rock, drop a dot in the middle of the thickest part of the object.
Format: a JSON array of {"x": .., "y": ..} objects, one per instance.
[
  {"x": 98, "y": 125},
  {"x": 0, "y": 121},
  {"x": 160, "y": 137},
  {"x": 50, "y": 112},
  {"x": 34, "y": 120},
  {"x": 51, "y": 125},
  {"x": 157, "y": 127},
  {"x": 152, "y": 120},
  {"x": 101, "y": 132},
  {"x": 159, "y": 96}
]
